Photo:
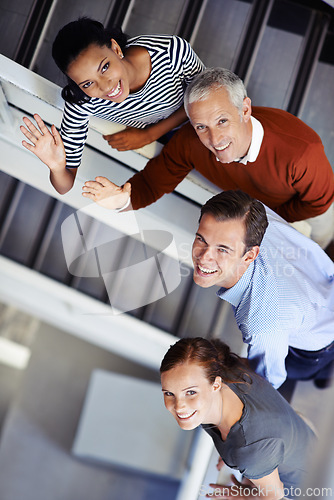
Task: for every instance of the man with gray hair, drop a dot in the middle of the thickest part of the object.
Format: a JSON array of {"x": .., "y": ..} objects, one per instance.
[
  {"x": 216, "y": 78},
  {"x": 266, "y": 152}
]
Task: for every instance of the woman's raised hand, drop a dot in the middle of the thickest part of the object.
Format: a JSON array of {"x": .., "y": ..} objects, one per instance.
[{"x": 47, "y": 144}]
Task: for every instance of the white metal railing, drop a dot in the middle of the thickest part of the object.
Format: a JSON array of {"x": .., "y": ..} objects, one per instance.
[
  {"x": 34, "y": 94},
  {"x": 24, "y": 93}
]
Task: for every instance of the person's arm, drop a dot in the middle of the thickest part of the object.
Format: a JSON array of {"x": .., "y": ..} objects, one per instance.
[
  {"x": 267, "y": 353},
  {"x": 269, "y": 487},
  {"x": 265, "y": 327},
  {"x": 312, "y": 178},
  {"x": 134, "y": 138},
  {"x": 186, "y": 65},
  {"x": 48, "y": 146},
  {"x": 161, "y": 175}
]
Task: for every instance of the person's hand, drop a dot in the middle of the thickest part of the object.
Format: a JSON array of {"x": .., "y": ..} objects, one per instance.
[
  {"x": 220, "y": 463},
  {"x": 129, "y": 138},
  {"x": 46, "y": 145},
  {"x": 235, "y": 491},
  {"x": 107, "y": 194}
]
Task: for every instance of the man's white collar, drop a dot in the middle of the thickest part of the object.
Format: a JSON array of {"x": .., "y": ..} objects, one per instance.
[{"x": 254, "y": 148}]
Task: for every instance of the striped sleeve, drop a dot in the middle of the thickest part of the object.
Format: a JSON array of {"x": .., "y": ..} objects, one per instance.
[
  {"x": 186, "y": 61},
  {"x": 73, "y": 131},
  {"x": 173, "y": 65}
]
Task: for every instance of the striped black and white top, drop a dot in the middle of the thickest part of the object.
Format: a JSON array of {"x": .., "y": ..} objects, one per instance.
[{"x": 174, "y": 64}]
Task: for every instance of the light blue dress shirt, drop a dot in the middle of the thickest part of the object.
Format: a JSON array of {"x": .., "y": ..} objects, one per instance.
[{"x": 285, "y": 298}]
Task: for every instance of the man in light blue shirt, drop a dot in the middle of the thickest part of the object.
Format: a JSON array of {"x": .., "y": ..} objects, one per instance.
[{"x": 280, "y": 285}]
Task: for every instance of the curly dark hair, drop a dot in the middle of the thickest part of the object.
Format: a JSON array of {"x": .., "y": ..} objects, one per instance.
[{"x": 75, "y": 37}]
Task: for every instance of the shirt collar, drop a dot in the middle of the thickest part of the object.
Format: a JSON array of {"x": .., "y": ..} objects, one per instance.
[
  {"x": 254, "y": 148},
  {"x": 234, "y": 294},
  {"x": 257, "y": 137}
]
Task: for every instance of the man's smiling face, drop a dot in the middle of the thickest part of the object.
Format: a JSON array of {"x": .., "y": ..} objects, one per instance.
[
  {"x": 218, "y": 252},
  {"x": 222, "y": 127}
]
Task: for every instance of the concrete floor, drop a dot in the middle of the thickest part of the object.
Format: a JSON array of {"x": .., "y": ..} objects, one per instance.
[{"x": 45, "y": 405}]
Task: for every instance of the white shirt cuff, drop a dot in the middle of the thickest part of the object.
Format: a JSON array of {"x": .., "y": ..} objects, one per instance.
[{"x": 125, "y": 206}]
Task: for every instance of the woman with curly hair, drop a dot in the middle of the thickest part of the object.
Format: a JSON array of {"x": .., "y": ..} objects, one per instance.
[{"x": 138, "y": 82}]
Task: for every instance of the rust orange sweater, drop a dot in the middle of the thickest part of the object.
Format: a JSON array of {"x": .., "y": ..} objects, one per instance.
[{"x": 291, "y": 174}]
